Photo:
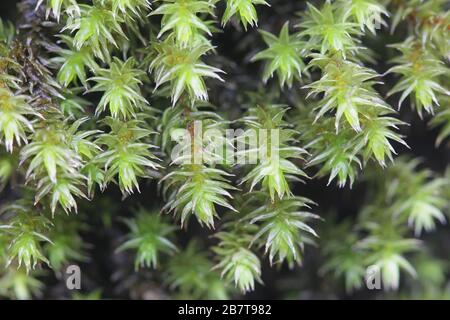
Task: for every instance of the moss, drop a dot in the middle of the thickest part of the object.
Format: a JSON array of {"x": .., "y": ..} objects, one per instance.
[{"x": 106, "y": 106}]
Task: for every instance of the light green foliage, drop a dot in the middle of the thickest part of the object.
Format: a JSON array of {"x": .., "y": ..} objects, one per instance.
[
  {"x": 420, "y": 72},
  {"x": 431, "y": 19},
  {"x": 171, "y": 121},
  {"x": 387, "y": 243},
  {"x": 54, "y": 158},
  {"x": 73, "y": 63},
  {"x": 275, "y": 151},
  {"x": 149, "y": 236},
  {"x": 387, "y": 254},
  {"x": 244, "y": 9},
  {"x": 55, "y": 7},
  {"x": 238, "y": 263},
  {"x": 283, "y": 56},
  {"x": 50, "y": 154},
  {"x": 182, "y": 69},
  {"x": 180, "y": 17},
  {"x": 390, "y": 263},
  {"x": 62, "y": 192},
  {"x": 342, "y": 154},
  {"x": 197, "y": 190},
  {"x": 77, "y": 79},
  {"x": 120, "y": 84},
  {"x": 94, "y": 26},
  {"x": 81, "y": 140},
  {"x": 14, "y": 124},
  {"x": 131, "y": 8},
  {"x": 418, "y": 195},
  {"x": 26, "y": 232},
  {"x": 382, "y": 252},
  {"x": 402, "y": 198},
  {"x": 176, "y": 61},
  {"x": 244, "y": 267},
  {"x": 198, "y": 184},
  {"x": 337, "y": 159},
  {"x": 377, "y": 137},
  {"x": 336, "y": 153},
  {"x": 126, "y": 156},
  {"x": 329, "y": 30},
  {"x": 284, "y": 228},
  {"x": 347, "y": 88},
  {"x": 15, "y": 111},
  {"x": 367, "y": 13}
]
